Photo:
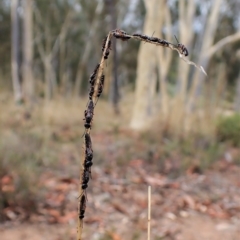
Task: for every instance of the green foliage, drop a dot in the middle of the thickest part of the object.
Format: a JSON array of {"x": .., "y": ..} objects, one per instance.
[{"x": 228, "y": 129}]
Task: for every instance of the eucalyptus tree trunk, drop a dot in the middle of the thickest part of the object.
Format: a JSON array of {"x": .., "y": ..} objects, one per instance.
[
  {"x": 186, "y": 17},
  {"x": 28, "y": 51},
  {"x": 47, "y": 50},
  {"x": 164, "y": 57},
  {"x": 186, "y": 34},
  {"x": 114, "y": 94},
  {"x": 146, "y": 66},
  {"x": 87, "y": 50},
  {"x": 208, "y": 38},
  {"x": 15, "y": 52},
  {"x": 237, "y": 98}
]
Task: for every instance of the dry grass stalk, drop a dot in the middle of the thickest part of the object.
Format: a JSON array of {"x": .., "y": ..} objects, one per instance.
[
  {"x": 149, "y": 212},
  {"x": 96, "y": 87}
]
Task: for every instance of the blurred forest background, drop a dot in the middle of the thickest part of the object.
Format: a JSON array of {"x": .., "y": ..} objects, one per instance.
[{"x": 156, "y": 110}]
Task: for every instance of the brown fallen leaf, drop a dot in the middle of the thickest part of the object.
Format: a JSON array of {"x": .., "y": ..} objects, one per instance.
[
  {"x": 189, "y": 201},
  {"x": 69, "y": 180},
  {"x": 136, "y": 163},
  {"x": 153, "y": 181},
  {"x": 114, "y": 235},
  {"x": 194, "y": 169},
  {"x": 8, "y": 188},
  {"x": 9, "y": 213},
  {"x": 119, "y": 207},
  {"x": 93, "y": 220},
  {"x": 54, "y": 213},
  {"x": 217, "y": 212},
  {"x": 68, "y": 217},
  {"x": 6, "y": 180}
]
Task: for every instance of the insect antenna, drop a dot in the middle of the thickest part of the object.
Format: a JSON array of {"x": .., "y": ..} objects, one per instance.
[
  {"x": 150, "y": 37},
  {"x": 84, "y": 133},
  {"x": 176, "y": 39}
]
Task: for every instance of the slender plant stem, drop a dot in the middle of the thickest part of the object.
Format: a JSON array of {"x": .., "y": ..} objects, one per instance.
[
  {"x": 95, "y": 92},
  {"x": 149, "y": 212}
]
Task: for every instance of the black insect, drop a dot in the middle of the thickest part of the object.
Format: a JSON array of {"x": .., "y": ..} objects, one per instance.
[
  {"x": 154, "y": 39},
  {"x": 88, "y": 153},
  {"x": 88, "y": 142},
  {"x": 91, "y": 92},
  {"x": 88, "y": 162},
  {"x": 85, "y": 179},
  {"x": 142, "y": 36},
  {"x": 164, "y": 43},
  {"x": 183, "y": 50},
  {"x": 137, "y": 34},
  {"x": 120, "y": 34},
  {"x": 107, "y": 52},
  {"x": 104, "y": 43},
  {"x": 145, "y": 37},
  {"x": 88, "y": 113},
  {"x": 88, "y": 157},
  {"x": 82, "y": 206},
  {"x": 100, "y": 87},
  {"x": 93, "y": 76}
]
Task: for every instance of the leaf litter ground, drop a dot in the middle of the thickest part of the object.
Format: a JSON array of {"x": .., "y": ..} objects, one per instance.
[{"x": 190, "y": 205}]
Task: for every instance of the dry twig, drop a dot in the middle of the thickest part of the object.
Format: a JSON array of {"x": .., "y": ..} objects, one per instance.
[{"x": 96, "y": 87}]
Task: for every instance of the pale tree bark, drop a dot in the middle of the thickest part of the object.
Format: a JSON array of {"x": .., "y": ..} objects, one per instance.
[
  {"x": 114, "y": 94},
  {"x": 145, "y": 69},
  {"x": 15, "y": 51},
  {"x": 164, "y": 57},
  {"x": 48, "y": 51},
  {"x": 221, "y": 43},
  {"x": 186, "y": 15},
  {"x": 186, "y": 31},
  {"x": 28, "y": 51},
  {"x": 237, "y": 97},
  {"x": 209, "y": 33},
  {"x": 87, "y": 49},
  {"x": 63, "y": 60}
]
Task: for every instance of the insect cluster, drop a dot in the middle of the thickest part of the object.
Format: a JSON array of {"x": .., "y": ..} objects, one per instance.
[
  {"x": 96, "y": 83},
  {"x": 179, "y": 47}
]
